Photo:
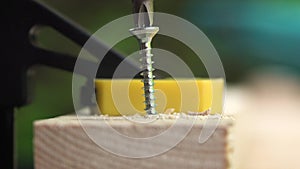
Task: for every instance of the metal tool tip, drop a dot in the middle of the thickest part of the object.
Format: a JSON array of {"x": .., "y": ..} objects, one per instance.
[{"x": 143, "y": 10}]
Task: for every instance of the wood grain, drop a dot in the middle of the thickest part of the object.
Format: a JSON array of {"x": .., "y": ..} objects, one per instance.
[{"x": 61, "y": 143}]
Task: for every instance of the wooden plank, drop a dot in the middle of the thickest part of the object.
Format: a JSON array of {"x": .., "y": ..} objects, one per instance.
[{"x": 62, "y": 143}]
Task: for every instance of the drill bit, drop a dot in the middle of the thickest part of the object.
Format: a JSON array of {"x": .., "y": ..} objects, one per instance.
[{"x": 144, "y": 32}]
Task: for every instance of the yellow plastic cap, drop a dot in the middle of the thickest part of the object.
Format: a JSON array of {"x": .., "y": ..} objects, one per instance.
[{"x": 125, "y": 96}]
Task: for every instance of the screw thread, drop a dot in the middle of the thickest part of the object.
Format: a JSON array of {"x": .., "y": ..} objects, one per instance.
[{"x": 148, "y": 80}]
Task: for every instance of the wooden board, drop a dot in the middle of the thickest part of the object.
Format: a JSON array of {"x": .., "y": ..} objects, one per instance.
[{"x": 62, "y": 143}]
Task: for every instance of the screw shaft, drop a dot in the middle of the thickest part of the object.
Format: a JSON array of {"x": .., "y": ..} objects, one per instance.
[
  {"x": 148, "y": 77},
  {"x": 145, "y": 35}
]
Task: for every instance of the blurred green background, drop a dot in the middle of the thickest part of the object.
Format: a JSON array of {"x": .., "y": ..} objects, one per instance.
[{"x": 247, "y": 35}]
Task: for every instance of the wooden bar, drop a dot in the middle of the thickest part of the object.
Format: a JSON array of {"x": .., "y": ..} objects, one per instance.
[{"x": 61, "y": 143}]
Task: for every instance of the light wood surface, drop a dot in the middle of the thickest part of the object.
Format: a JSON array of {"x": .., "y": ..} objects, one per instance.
[
  {"x": 267, "y": 125},
  {"x": 61, "y": 143}
]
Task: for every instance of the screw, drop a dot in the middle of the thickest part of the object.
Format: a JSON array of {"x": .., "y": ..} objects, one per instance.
[{"x": 145, "y": 36}]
